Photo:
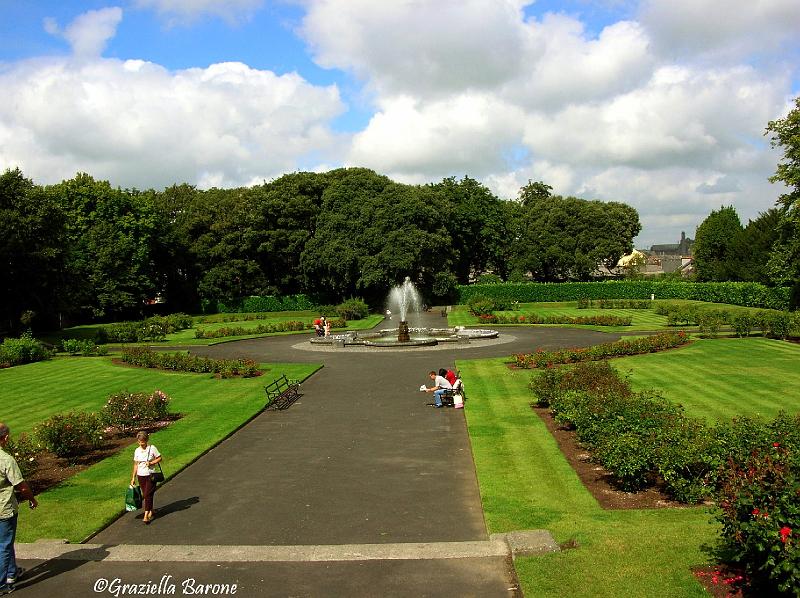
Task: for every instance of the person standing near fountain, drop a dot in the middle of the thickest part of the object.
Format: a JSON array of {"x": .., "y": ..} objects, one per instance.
[{"x": 440, "y": 384}]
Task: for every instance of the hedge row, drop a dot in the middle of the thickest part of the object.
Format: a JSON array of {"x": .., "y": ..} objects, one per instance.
[
  {"x": 584, "y": 303},
  {"x": 262, "y": 329},
  {"x": 181, "y": 362},
  {"x": 749, "y": 294},
  {"x": 266, "y": 303},
  {"x": 537, "y": 319},
  {"x": 636, "y": 346},
  {"x": 777, "y": 324}
]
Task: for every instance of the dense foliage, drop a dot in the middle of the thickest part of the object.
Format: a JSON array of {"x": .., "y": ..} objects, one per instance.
[
  {"x": 71, "y": 434},
  {"x": 734, "y": 293},
  {"x": 82, "y": 250},
  {"x": 25, "y": 349},
  {"x": 531, "y": 318}
]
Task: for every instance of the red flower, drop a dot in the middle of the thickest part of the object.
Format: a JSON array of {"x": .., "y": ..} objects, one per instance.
[
  {"x": 785, "y": 531},
  {"x": 755, "y": 511},
  {"x": 776, "y": 444}
]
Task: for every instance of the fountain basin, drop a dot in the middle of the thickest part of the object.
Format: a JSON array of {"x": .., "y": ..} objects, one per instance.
[{"x": 419, "y": 337}]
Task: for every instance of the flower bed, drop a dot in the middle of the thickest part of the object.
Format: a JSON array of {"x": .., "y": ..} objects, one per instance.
[
  {"x": 647, "y": 344},
  {"x": 531, "y": 318},
  {"x": 181, "y": 362}
]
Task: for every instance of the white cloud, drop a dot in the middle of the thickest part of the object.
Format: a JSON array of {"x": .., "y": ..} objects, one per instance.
[
  {"x": 139, "y": 124},
  {"x": 730, "y": 27},
  {"x": 186, "y": 11},
  {"x": 88, "y": 33},
  {"x": 464, "y": 134},
  {"x": 417, "y": 45},
  {"x": 682, "y": 116}
]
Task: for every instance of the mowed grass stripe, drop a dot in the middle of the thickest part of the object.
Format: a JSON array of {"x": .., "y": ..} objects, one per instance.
[{"x": 719, "y": 379}]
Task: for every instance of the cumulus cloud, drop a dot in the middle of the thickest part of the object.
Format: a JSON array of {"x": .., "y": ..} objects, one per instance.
[
  {"x": 462, "y": 134},
  {"x": 140, "y": 124},
  {"x": 733, "y": 26},
  {"x": 88, "y": 33},
  {"x": 419, "y": 46},
  {"x": 186, "y": 11}
]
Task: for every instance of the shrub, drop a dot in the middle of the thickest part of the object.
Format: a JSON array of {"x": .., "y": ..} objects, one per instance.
[
  {"x": 489, "y": 279},
  {"x": 353, "y": 309},
  {"x": 71, "y": 434},
  {"x": 628, "y": 459},
  {"x": 598, "y": 377},
  {"x": 87, "y": 348},
  {"x": 263, "y": 329},
  {"x": 127, "y": 410},
  {"x": 480, "y": 305},
  {"x": 25, "y": 349},
  {"x": 742, "y": 324},
  {"x": 779, "y": 325},
  {"x": 710, "y": 324},
  {"x": 760, "y": 517},
  {"x": 26, "y": 453}
]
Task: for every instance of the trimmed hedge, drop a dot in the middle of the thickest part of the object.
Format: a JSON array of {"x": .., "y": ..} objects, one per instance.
[
  {"x": 25, "y": 349},
  {"x": 749, "y": 294},
  {"x": 266, "y": 303}
]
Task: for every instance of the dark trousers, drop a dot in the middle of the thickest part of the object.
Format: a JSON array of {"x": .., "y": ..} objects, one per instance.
[{"x": 148, "y": 487}]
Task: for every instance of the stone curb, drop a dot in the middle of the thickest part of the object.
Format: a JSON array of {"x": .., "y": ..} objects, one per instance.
[{"x": 524, "y": 543}]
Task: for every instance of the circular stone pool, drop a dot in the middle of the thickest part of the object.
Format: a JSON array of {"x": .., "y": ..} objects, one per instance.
[{"x": 420, "y": 337}]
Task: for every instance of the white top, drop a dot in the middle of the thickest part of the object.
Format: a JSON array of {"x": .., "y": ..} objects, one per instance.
[
  {"x": 442, "y": 382},
  {"x": 142, "y": 456}
]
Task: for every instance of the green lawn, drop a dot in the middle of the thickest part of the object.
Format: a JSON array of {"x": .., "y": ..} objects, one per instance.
[
  {"x": 722, "y": 378},
  {"x": 212, "y": 410},
  {"x": 187, "y": 337},
  {"x": 526, "y": 483}
]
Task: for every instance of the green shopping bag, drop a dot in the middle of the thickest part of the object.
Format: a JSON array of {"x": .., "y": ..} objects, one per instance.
[{"x": 133, "y": 498}]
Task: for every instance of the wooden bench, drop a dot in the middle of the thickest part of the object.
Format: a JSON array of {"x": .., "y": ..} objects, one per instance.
[
  {"x": 281, "y": 393},
  {"x": 447, "y": 395}
]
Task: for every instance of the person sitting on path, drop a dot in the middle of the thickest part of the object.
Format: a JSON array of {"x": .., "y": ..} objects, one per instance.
[
  {"x": 144, "y": 458},
  {"x": 448, "y": 375},
  {"x": 10, "y": 480},
  {"x": 440, "y": 384}
]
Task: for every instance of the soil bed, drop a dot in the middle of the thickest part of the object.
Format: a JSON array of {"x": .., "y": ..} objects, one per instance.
[
  {"x": 597, "y": 480},
  {"x": 51, "y": 470}
]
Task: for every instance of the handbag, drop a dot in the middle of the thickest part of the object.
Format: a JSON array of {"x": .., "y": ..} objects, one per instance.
[
  {"x": 156, "y": 476},
  {"x": 133, "y": 498}
]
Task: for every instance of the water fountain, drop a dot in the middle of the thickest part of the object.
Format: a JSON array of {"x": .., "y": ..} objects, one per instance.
[{"x": 405, "y": 301}]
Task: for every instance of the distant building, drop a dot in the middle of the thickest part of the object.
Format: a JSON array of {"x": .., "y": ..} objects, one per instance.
[{"x": 684, "y": 248}]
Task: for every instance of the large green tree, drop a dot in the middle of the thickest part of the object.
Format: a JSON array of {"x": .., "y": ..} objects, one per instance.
[
  {"x": 750, "y": 251},
  {"x": 785, "y": 261},
  {"x": 110, "y": 237},
  {"x": 32, "y": 240},
  {"x": 563, "y": 238},
  {"x": 713, "y": 242}
]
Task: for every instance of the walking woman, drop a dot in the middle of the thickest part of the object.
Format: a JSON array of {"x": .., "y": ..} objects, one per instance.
[{"x": 144, "y": 458}]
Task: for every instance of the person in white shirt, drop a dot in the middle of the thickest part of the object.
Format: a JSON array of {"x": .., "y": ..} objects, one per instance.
[
  {"x": 440, "y": 384},
  {"x": 144, "y": 458}
]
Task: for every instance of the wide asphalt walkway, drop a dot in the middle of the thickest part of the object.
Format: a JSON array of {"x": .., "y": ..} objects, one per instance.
[{"x": 360, "y": 459}]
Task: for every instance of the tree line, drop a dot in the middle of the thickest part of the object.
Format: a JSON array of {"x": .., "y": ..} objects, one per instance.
[{"x": 82, "y": 249}]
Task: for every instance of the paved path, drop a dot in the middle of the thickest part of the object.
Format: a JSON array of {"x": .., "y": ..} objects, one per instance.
[{"x": 360, "y": 459}]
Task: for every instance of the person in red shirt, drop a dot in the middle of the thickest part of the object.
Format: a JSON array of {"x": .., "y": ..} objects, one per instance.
[{"x": 448, "y": 375}]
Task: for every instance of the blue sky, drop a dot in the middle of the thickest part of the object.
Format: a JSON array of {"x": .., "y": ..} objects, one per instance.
[{"x": 636, "y": 101}]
